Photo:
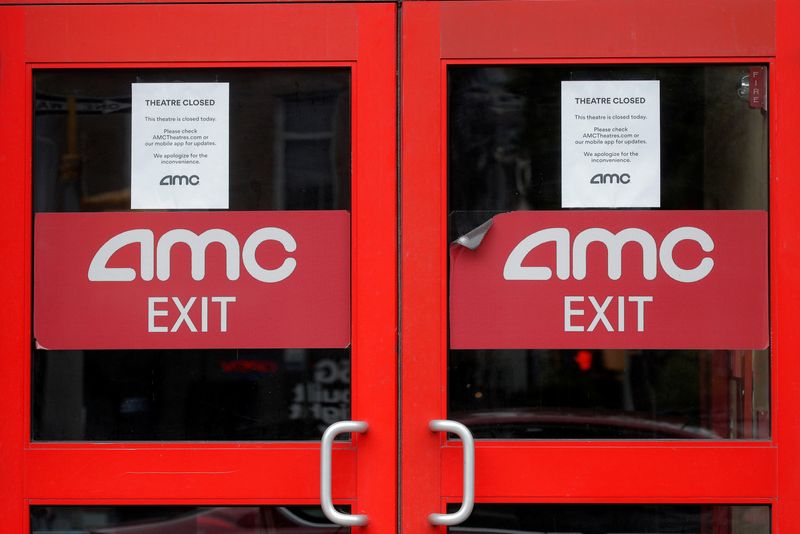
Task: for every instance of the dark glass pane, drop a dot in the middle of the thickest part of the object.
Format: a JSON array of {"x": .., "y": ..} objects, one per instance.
[
  {"x": 290, "y": 149},
  {"x": 504, "y": 137},
  {"x": 189, "y": 395},
  {"x": 306, "y": 167},
  {"x": 610, "y": 394},
  {"x": 616, "y": 519},
  {"x": 180, "y": 520},
  {"x": 310, "y": 112},
  {"x": 504, "y": 154}
]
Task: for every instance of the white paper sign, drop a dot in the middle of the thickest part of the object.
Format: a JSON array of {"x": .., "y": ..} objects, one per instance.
[
  {"x": 179, "y": 146},
  {"x": 610, "y": 144}
]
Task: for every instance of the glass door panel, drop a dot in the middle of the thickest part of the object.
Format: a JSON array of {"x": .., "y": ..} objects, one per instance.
[
  {"x": 290, "y": 150},
  {"x": 505, "y": 154}
]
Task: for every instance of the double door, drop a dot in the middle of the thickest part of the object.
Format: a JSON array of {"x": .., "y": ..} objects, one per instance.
[{"x": 181, "y": 381}]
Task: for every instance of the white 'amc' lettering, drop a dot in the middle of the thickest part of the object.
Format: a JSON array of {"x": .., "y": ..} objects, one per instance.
[
  {"x": 159, "y": 262},
  {"x": 514, "y": 270}
]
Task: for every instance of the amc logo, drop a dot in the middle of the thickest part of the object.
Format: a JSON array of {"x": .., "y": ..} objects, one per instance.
[
  {"x": 571, "y": 255},
  {"x": 601, "y": 178},
  {"x": 154, "y": 258},
  {"x": 180, "y": 179}
]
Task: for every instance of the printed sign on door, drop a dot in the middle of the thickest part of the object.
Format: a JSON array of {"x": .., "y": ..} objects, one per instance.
[
  {"x": 613, "y": 279},
  {"x": 192, "y": 280}
]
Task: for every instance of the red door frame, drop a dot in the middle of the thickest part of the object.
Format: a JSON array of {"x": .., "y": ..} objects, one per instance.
[
  {"x": 359, "y": 36},
  {"x": 437, "y": 34},
  {"x": 32, "y": 472}
]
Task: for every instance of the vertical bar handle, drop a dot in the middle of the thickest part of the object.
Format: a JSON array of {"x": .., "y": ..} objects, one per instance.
[
  {"x": 468, "y": 499},
  {"x": 326, "y": 449}
]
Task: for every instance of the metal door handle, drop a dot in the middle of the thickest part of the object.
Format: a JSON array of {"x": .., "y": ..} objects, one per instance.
[
  {"x": 326, "y": 500},
  {"x": 468, "y": 500}
]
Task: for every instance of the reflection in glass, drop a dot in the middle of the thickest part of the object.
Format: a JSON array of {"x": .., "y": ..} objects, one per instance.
[
  {"x": 289, "y": 137},
  {"x": 180, "y": 520},
  {"x": 616, "y": 519},
  {"x": 504, "y": 136},
  {"x": 610, "y": 394},
  {"x": 504, "y": 154},
  {"x": 189, "y": 395}
]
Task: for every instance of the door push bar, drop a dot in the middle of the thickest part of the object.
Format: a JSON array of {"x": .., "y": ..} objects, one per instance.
[
  {"x": 468, "y": 500},
  {"x": 346, "y": 520}
]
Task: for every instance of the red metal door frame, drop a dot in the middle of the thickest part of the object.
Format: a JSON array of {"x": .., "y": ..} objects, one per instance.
[
  {"x": 437, "y": 34},
  {"x": 358, "y": 36},
  {"x": 433, "y": 35}
]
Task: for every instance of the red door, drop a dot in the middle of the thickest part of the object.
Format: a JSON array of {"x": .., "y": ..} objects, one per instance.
[
  {"x": 188, "y": 435},
  {"x": 618, "y": 432},
  {"x": 584, "y": 417}
]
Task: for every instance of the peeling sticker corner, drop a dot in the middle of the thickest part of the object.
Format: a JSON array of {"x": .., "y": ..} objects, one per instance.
[
  {"x": 473, "y": 239},
  {"x": 39, "y": 346}
]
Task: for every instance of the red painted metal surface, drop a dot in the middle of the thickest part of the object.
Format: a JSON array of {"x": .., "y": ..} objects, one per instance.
[
  {"x": 163, "y": 2},
  {"x": 611, "y": 471},
  {"x": 438, "y": 34},
  {"x": 173, "y": 33},
  {"x": 287, "y": 473},
  {"x": 423, "y": 296},
  {"x": 784, "y": 84},
  {"x": 607, "y": 29},
  {"x": 15, "y": 282},
  {"x": 375, "y": 267},
  {"x": 357, "y": 36}
]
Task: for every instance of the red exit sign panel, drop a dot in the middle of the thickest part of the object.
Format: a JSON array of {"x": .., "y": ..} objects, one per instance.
[
  {"x": 192, "y": 280},
  {"x": 613, "y": 279}
]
